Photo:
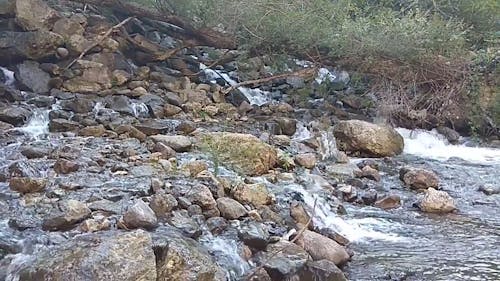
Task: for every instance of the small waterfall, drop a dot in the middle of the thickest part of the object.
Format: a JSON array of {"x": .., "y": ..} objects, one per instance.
[
  {"x": 302, "y": 132},
  {"x": 254, "y": 96},
  {"x": 140, "y": 109},
  {"x": 328, "y": 146},
  {"x": 38, "y": 124},
  {"x": 432, "y": 145},
  {"x": 9, "y": 76},
  {"x": 98, "y": 107},
  {"x": 323, "y": 75}
]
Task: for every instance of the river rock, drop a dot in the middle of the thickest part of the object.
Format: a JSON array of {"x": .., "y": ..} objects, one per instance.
[
  {"x": 63, "y": 125},
  {"x": 389, "y": 202},
  {"x": 368, "y": 172},
  {"x": 255, "y": 194},
  {"x": 32, "y": 77},
  {"x": 193, "y": 168},
  {"x": 250, "y": 157},
  {"x": 185, "y": 222},
  {"x": 162, "y": 204},
  {"x": 419, "y": 178},
  {"x": 321, "y": 247},
  {"x": 67, "y": 27},
  {"x": 216, "y": 225},
  {"x": 322, "y": 270},
  {"x": 166, "y": 151},
  {"x": 132, "y": 132},
  {"x": 27, "y": 185},
  {"x": 489, "y": 189},
  {"x": 63, "y": 166},
  {"x": 306, "y": 160},
  {"x": 97, "y": 223},
  {"x": 182, "y": 258},
  {"x": 7, "y": 7},
  {"x": 92, "y": 131},
  {"x": 79, "y": 104},
  {"x": 73, "y": 212},
  {"x": 111, "y": 256},
  {"x": 230, "y": 208},
  {"x": 140, "y": 215},
  {"x": 202, "y": 196},
  {"x": 35, "y": 45},
  {"x": 35, "y": 15},
  {"x": 288, "y": 126},
  {"x": 14, "y": 115},
  {"x": 254, "y": 235},
  {"x": 451, "y": 135},
  {"x": 287, "y": 263},
  {"x": 436, "y": 201},
  {"x": 95, "y": 77},
  {"x": 299, "y": 214},
  {"x": 365, "y": 139},
  {"x": 178, "y": 143},
  {"x": 33, "y": 152}
]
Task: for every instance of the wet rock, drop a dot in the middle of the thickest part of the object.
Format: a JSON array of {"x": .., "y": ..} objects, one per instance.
[
  {"x": 419, "y": 178},
  {"x": 287, "y": 263},
  {"x": 73, "y": 212},
  {"x": 306, "y": 160},
  {"x": 106, "y": 206},
  {"x": 32, "y": 152},
  {"x": 35, "y": 15},
  {"x": 112, "y": 256},
  {"x": 230, "y": 208},
  {"x": 120, "y": 77},
  {"x": 140, "y": 215},
  {"x": 200, "y": 195},
  {"x": 178, "y": 143},
  {"x": 254, "y": 235},
  {"x": 335, "y": 236},
  {"x": 181, "y": 258},
  {"x": 489, "y": 189},
  {"x": 195, "y": 210},
  {"x": 14, "y": 115},
  {"x": 34, "y": 79},
  {"x": 184, "y": 221},
  {"x": 369, "y": 196},
  {"x": 97, "y": 223},
  {"x": 255, "y": 194},
  {"x": 131, "y": 131},
  {"x": 299, "y": 214},
  {"x": 78, "y": 105},
  {"x": 92, "y": 131},
  {"x": 451, "y": 135},
  {"x": 162, "y": 204},
  {"x": 346, "y": 170},
  {"x": 63, "y": 125},
  {"x": 171, "y": 110},
  {"x": 166, "y": 151},
  {"x": 288, "y": 126},
  {"x": 389, "y": 202},
  {"x": 250, "y": 157},
  {"x": 323, "y": 248},
  {"x": 236, "y": 97},
  {"x": 322, "y": 270},
  {"x": 27, "y": 185},
  {"x": 5, "y": 126},
  {"x": 365, "y": 139},
  {"x": 436, "y": 201},
  {"x": 216, "y": 225},
  {"x": 63, "y": 166},
  {"x": 35, "y": 45},
  {"x": 369, "y": 173}
]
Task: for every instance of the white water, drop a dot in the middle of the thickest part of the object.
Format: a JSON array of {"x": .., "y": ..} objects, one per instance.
[
  {"x": 140, "y": 109},
  {"x": 38, "y": 124},
  {"x": 432, "y": 145},
  {"x": 227, "y": 255},
  {"x": 9, "y": 76},
  {"x": 302, "y": 132},
  {"x": 254, "y": 96},
  {"x": 323, "y": 75}
]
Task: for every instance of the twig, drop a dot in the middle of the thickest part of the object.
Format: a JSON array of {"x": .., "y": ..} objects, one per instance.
[
  {"x": 98, "y": 41},
  {"x": 301, "y": 231}
]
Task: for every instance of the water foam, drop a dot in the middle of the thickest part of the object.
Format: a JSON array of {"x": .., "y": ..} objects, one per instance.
[
  {"x": 9, "y": 76},
  {"x": 432, "y": 145}
]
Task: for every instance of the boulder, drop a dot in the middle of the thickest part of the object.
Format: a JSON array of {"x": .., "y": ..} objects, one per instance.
[
  {"x": 254, "y": 235},
  {"x": 92, "y": 131},
  {"x": 436, "y": 201},
  {"x": 71, "y": 212},
  {"x": 27, "y": 185},
  {"x": 255, "y": 194},
  {"x": 178, "y": 143},
  {"x": 369, "y": 173},
  {"x": 14, "y": 115},
  {"x": 63, "y": 166},
  {"x": 185, "y": 221},
  {"x": 111, "y": 256},
  {"x": 36, "y": 45},
  {"x": 97, "y": 223},
  {"x": 322, "y": 270},
  {"x": 32, "y": 152},
  {"x": 162, "y": 204},
  {"x": 32, "y": 77},
  {"x": 7, "y": 7},
  {"x": 63, "y": 125},
  {"x": 140, "y": 215},
  {"x": 419, "y": 178},
  {"x": 288, "y": 126},
  {"x": 67, "y": 27},
  {"x": 306, "y": 160},
  {"x": 389, "y": 202},
  {"x": 95, "y": 77},
  {"x": 451, "y": 135},
  {"x": 323, "y": 248},
  {"x": 298, "y": 213},
  {"x": 230, "y": 208},
  {"x": 250, "y": 156},
  {"x": 35, "y": 15},
  {"x": 288, "y": 261},
  {"x": 202, "y": 196},
  {"x": 365, "y": 139}
]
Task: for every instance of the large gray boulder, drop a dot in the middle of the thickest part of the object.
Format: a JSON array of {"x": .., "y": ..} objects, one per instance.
[
  {"x": 36, "y": 45},
  {"x": 32, "y": 77},
  {"x": 35, "y": 15},
  {"x": 360, "y": 138},
  {"x": 111, "y": 256}
]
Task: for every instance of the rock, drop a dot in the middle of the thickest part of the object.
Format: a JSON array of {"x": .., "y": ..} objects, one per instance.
[
  {"x": 166, "y": 151},
  {"x": 489, "y": 189},
  {"x": 369, "y": 196},
  {"x": 78, "y": 105},
  {"x": 63, "y": 125},
  {"x": 32, "y": 77},
  {"x": 77, "y": 43},
  {"x": 230, "y": 208},
  {"x": 32, "y": 152},
  {"x": 182, "y": 258},
  {"x": 62, "y": 52},
  {"x": 306, "y": 160},
  {"x": 171, "y": 110},
  {"x": 131, "y": 131},
  {"x": 202, "y": 196},
  {"x": 253, "y": 235},
  {"x": 419, "y": 178},
  {"x": 14, "y": 115},
  {"x": 347, "y": 170},
  {"x": 389, "y": 202},
  {"x": 37, "y": 45},
  {"x": 97, "y": 223},
  {"x": 92, "y": 131},
  {"x": 365, "y": 139},
  {"x": 323, "y": 248},
  {"x": 106, "y": 206},
  {"x": 178, "y": 143},
  {"x": 120, "y": 77},
  {"x": 236, "y": 97},
  {"x": 299, "y": 214},
  {"x": 27, "y": 185},
  {"x": 95, "y": 77},
  {"x": 216, "y": 225},
  {"x": 63, "y": 166},
  {"x": 435, "y": 201},
  {"x": 35, "y": 15},
  {"x": 140, "y": 215},
  {"x": 67, "y": 27},
  {"x": 287, "y": 263},
  {"x": 184, "y": 221},
  {"x": 162, "y": 204},
  {"x": 255, "y": 194},
  {"x": 5, "y": 126},
  {"x": 193, "y": 168},
  {"x": 7, "y": 7},
  {"x": 369, "y": 173},
  {"x": 72, "y": 212},
  {"x": 250, "y": 157},
  {"x": 322, "y": 270},
  {"x": 451, "y": 135},
  {"x": 288, "y": 126},
  {"x": 111, "y": 256}
]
